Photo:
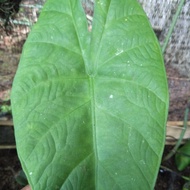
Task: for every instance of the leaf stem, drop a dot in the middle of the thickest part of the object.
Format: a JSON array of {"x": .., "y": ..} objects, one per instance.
[
  {"x": 174, "y": 150},
  {"x": 172, "y": 25},
  {"x": 169, "y": 170}
]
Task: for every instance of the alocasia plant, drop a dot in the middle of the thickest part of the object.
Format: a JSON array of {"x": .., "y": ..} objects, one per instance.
[{"x": 90, "y": 108}]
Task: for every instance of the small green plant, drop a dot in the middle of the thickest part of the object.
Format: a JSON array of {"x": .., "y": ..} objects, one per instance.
[
  {"x": 90, "y": 108},
  {"x": 5, "y": 108},
  {"x": 182, "y": 156},
  {"x": 21, "y": 178}
]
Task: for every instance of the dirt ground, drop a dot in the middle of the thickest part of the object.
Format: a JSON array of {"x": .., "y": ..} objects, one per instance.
[{"x": 9, "y": 169}]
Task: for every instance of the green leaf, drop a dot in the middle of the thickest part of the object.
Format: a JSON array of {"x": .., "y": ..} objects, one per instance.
[
  {"x": 21, "y": 178},
  {"x": 186, "y": 186},
  {"x": 90, "y": 108},
  {"x": 182, "y": 157}
]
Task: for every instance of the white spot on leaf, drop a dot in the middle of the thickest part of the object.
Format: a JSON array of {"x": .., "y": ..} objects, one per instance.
[{"x": 119, "y": 51}]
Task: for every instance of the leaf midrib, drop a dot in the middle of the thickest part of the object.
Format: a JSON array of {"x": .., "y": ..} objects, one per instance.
[{"x": 93, "y": 114}]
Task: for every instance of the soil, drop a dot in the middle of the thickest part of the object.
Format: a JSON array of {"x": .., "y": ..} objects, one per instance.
[
  {"x": 9, "y": 168},
  {"x": 169, "y": 178}
]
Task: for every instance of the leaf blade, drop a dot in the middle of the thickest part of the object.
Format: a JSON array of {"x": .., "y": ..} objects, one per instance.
[
  {"x": 127, "y": 55},
  {"x": 79, "y": 98}
]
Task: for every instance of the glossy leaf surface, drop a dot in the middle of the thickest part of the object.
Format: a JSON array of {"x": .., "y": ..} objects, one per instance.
[{"x": 90, "y": 107}]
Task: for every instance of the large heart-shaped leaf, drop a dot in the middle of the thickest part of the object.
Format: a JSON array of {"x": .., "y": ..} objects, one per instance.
[{"x": 90, "y": 107}]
